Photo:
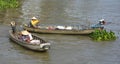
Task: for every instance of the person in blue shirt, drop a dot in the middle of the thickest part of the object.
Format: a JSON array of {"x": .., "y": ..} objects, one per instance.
[{"x": 99, "y": 25}]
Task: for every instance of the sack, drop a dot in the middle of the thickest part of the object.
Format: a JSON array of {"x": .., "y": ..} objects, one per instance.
[{"x": 35, "y": 41}]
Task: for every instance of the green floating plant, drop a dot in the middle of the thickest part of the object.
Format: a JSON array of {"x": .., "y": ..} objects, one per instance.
[{"x": 103, "y": 35}]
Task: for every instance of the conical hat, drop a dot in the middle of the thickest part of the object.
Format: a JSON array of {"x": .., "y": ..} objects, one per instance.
[
  {"x": 33, "y": 18},
  {"x": 25, "y": 32},
  {"x": 102, "y": 20},
  {"x": 12, "y": 23}
]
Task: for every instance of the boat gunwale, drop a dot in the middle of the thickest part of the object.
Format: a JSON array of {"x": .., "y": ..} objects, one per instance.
[{"x": 25, "y": 44}]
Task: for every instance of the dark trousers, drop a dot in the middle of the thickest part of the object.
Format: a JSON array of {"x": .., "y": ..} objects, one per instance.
[
  {"x": 30, "y": 25},
  {"x": 13, "y": 29}
]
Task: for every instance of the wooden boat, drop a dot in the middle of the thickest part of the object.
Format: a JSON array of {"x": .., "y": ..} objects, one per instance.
[
  {"x": 43, "y": 46},
  {"x": 60, "y": 31}
]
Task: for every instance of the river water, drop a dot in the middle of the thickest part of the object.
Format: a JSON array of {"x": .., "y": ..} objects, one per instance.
[{"x": 65, "y": 49}]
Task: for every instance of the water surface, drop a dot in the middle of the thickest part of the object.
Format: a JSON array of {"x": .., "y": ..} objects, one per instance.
[{"x": 65, "y": 49}]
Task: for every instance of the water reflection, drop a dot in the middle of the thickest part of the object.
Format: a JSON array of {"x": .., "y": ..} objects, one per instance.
[
  {"x": 7, "y": 15},
  {"x": 30, "y": 8},
  {"x": 27, "y": 55},
  {"x": 53, "y": 11}
]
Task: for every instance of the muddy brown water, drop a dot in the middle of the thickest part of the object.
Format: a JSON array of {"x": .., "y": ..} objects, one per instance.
[{"x": 65, "y": 49}]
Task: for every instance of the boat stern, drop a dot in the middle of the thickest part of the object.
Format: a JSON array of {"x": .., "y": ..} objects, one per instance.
[{"x": 45, "y": 46}]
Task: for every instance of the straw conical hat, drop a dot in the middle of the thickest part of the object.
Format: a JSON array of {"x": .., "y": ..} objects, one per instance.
[
  {"x": 33, "y": 18},
  {"x": 12, "y": 23},
  {"x": 25, "y": 32}
]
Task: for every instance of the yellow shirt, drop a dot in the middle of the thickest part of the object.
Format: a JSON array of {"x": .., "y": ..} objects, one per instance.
[{"x": 34, "y": 22}]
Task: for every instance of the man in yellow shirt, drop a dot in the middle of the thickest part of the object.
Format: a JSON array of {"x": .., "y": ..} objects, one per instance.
[{"x": 34, "y": 21}]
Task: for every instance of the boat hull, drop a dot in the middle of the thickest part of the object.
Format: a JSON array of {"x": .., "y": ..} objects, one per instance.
[
  {"x": 13, "y": 37},
  {"x": 53, "y": 31}
]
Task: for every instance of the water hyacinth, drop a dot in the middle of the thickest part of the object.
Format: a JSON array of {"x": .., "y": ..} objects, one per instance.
[
  {"x": 102, "y": 35},
  {"x": 8, "y": 4}
]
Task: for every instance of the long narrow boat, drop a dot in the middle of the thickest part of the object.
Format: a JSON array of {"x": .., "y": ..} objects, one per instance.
[
  {"x": 43, "y": 46},
  {"x": 60, "y": 31}
]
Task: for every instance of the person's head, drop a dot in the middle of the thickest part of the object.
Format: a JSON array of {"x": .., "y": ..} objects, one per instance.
[{"x": 102, "y": 21}]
